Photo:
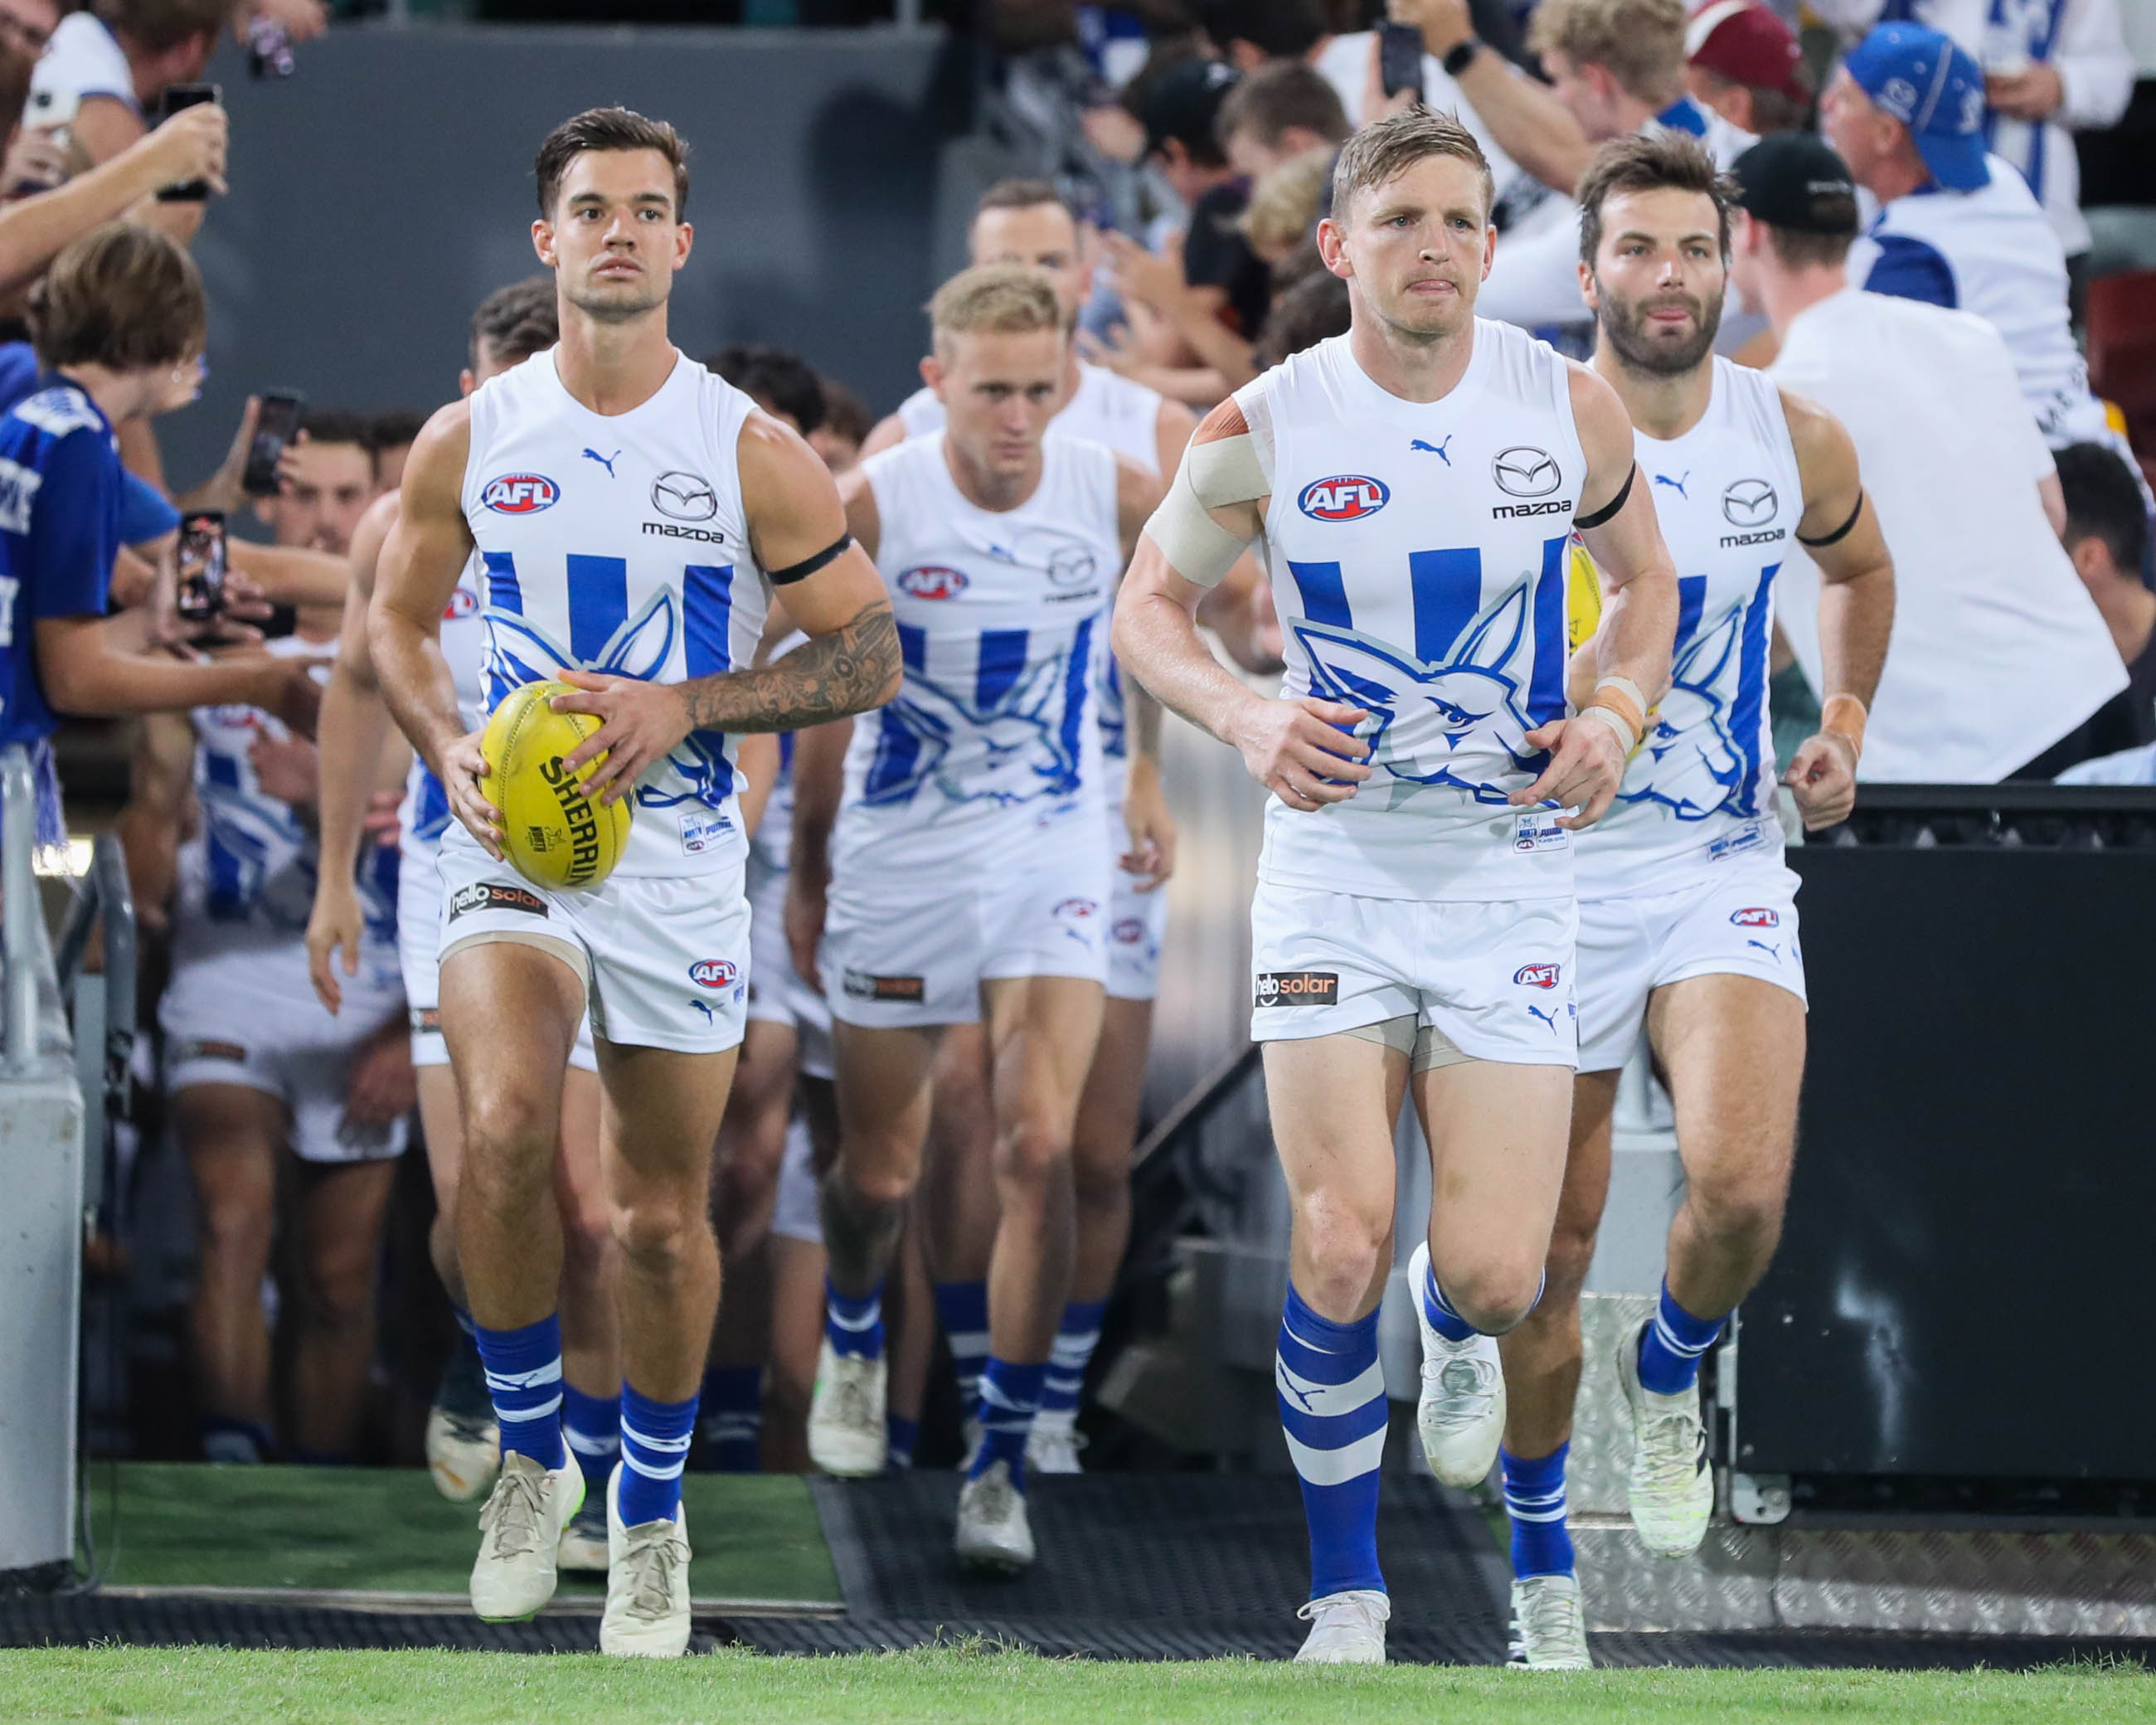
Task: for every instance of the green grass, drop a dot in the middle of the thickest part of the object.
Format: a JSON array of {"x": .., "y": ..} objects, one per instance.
[
  {"x": 948, "y": 1685},
  {"x": 187, "y": 1525}
]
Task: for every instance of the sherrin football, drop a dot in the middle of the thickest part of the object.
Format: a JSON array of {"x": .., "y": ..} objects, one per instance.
[{"x": 555, "y": 835}]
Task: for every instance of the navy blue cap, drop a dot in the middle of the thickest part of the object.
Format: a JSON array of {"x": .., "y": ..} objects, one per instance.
[{"x": 1933, "y": 88}]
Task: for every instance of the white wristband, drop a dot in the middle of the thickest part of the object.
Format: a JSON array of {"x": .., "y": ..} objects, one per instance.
[{"x": 1627, "y": 737}]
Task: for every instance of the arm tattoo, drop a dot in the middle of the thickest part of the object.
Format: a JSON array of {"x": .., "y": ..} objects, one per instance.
[{"x": 828, "y": 677}]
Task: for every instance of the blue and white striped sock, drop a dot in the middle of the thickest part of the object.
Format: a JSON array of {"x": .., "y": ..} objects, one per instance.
[
  {"x": 1671, "y": 1346},
  {"x": 961, "y": 1307},
  {"x": 1534, "y": 1498},
  {"x": 1075, "y": 1338},
  {"x": 733, "y": 1418},
  {"x": 854, "y": 1327},
  {"x": 1010, "y": 1396},
  {"x": 1331, "y": 1396},
  {"x": 1438, "y": 1310},
  {"x": 654, "y": 1444},
  {"x": 591, "y": 1426},
  {"x": 524, "y": 1381}
]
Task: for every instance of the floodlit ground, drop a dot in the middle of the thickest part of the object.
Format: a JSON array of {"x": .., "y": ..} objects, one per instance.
[{"x": 953, "y": 1686}]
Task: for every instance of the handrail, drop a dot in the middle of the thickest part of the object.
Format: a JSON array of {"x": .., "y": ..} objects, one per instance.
[{"x": 21, "y": 915}]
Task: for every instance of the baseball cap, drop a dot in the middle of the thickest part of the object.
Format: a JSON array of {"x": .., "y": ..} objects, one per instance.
[
  {"x": 1748, "y": 45},
  {"x": 1794, "y": 180},
  {"x": 1933, "y": 88},
  {"x": 1186, "y": 101}
]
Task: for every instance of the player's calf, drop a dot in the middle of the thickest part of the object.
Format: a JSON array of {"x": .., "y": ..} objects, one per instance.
[{"x": 1332, "y": 1407}]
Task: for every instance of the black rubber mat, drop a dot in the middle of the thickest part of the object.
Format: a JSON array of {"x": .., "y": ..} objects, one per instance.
[
  {"x": 1146, "y": 1566},
  {"x": 1862, "y": 1649}
]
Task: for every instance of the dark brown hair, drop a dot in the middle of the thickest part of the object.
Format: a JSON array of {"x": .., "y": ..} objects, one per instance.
[
  {"x": 122, "y": 296},
  {"x": 514, "y": 322},
  {"x": 607, "y": 129},
  {"x": 1651, "y": 162},
  {"x": 159, "y": 24},
  {"x": 1391, "y": 146},
  {"x": 1793, "y": 251},
  {"x": 1277, "y": 96}
]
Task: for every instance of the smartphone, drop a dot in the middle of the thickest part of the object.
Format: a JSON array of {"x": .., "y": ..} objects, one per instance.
[
  {"x": 275, "y": 426},
  {"x": 1399, "y": 57},
  {"x": 176, "y": 97},
  {"x": 201, "y": 566}
]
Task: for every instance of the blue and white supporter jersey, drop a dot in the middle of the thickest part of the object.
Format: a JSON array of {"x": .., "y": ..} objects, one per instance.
[
  {"x": 1700, "y": 788},
  {"x": 247, "y": 880},
  {"x": 1000, "y": 615},
  {"x": 425, "y": 815},
  {"x": 1417, "y": 554},
  {"x": 620, "y": 544}
]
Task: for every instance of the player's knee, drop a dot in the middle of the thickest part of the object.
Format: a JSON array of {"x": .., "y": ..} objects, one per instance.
[
  {"x": 875, "y": 1182},
  {"x": 587, "y": 1243},
  {"x": 658, "y": 1235},
  {"x": 1494, "y": 1295},
  {"x": 1740, "y": 1214},
  {"x": 338, "y": 1294},
  {"x": 233, "y": 1227},
  {"x": 507, "y": 1129},
  {"x": 1032, "y": 1152},
  {"x": 1102, "y": 1188},
  {"x": 1343, "y": 1244}
]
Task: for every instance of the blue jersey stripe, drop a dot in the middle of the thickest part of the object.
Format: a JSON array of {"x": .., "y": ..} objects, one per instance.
[
  {"x": 598, "y": 602},
  {"x": 707, "y": 605},
  {"x": 913, "y": 646},
  {"x": 1003, "y": 659},
  {"x": 1752, "y": 688},
  {"x": 897, "y": 752},
  {"x": 503, "y": 591},
  {"x": 1545, "y": 689},
  {"x": 1324, "y": 595},
  {"x": 430, "y": 818},
  {"x": 1691, "y": 600},
  {"x": 1448, "y": 591},
  {"x": 1076, "y": 681}
]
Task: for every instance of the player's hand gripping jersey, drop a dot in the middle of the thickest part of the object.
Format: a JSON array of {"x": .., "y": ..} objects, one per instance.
[
  {"x": 1417, "y": 555},
  {"x": 620, "y": 544}
]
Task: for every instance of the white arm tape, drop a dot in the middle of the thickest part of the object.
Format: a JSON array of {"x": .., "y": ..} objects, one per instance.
[
  {"x": 1620, "y": 727},
  {"x": 1212, "y": 475}
]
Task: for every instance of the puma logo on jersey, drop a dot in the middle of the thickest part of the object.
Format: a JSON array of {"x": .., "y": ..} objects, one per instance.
[
  {"x": 1676, "y": 484},
  {"x": 605, "y": 461},
  {"x": 1436, "y": 449}
]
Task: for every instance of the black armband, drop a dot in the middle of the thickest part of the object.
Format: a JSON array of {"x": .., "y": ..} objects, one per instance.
[
  {"x": 809, "y": 566},
  {"x": 1840, "y": 533},
  {"x": 1609, "y": 510}
]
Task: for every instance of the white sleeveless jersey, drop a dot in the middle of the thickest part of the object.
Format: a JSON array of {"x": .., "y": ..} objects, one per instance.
[
  {"x": 1700, "y": 787},
  {"x": 620, "y": 544},
  {"x": 247, "y": 880},
  {"x": 1417, "y": 555},
  {"x": 1000, "y": 616},
  {"x": 425, "y": 815},
  {"x": 1106, "y": 408}
]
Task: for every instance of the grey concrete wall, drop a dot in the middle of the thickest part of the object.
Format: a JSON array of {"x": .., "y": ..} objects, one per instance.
[{"x": 379, "y": 193}]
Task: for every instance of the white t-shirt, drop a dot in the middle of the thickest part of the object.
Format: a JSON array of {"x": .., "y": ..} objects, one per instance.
[
  {"x": 1998, "y": 650},
  {"x": 83, "y": 59}
]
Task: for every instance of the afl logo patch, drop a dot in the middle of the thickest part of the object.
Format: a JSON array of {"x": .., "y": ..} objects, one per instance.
[
  {"x": 1525, "y": 471},
  {"x": 1748, "y": 503},
  {"x": 1076, "y": 910},
  {"x": 1344, "y": 497},
  {"x": 933, "y": 582},
  {"x": 521, "y": 494},
  {"x": 1538, "y": 976},
  {"x": 1128, "y": 930},
  {"x": 462, "y": 603},
  {"x": 713, "y": 972},
  {"x": 1756, "y": 916}
]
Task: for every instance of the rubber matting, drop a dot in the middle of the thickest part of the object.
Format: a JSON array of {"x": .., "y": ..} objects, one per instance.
[{"x": 1146, "y": 1566}]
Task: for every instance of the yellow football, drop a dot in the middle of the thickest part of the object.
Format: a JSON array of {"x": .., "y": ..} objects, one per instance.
[{"x": 556, "y": 836}]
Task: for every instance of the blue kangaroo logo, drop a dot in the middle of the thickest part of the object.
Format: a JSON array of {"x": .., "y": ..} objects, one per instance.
[
  {"x": 1691, "y": 764},
  {"x": 1023, "y": 748},
  {"x": 605, "y": 461},
  {"x": 1457, "y": 723}
]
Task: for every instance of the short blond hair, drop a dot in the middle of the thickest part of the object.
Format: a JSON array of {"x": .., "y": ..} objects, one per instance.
[
  {"x": 995, "y": 299},
  {"x": 1388, "y": 147},
  {"x": 1286, "y": 201},
  {"x": 1641, "y": 41}
]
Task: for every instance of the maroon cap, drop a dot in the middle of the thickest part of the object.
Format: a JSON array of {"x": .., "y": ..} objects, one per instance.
[{"x": 1748, "y": 44}]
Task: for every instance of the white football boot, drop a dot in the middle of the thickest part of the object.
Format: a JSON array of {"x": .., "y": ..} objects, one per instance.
[
  {"x": 1346, "y": 1628},
  {"x": 1461, "y": 1412},
  {"x": 1052, "y": 1446},
  {"x": 847, "y": 1433},
  {"x": 1672, "y": 1488},
  {"x": 520, "y": 1535},
  {"x": 1549, "y": 1625},
  {"x": 993, "y": 1532},
  {"x": 647, "y": 1608},
  {"x": 464, "y": 1443},
  {"x": 583, "y": 1545}
]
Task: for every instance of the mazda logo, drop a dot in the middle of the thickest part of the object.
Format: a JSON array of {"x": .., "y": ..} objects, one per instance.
[
  {"x": 1749, "y": 503},
  {"x": 684, "y": 496},
  {"x": 1524, "y": 471},
  {"x": 1069, "y": 565}
]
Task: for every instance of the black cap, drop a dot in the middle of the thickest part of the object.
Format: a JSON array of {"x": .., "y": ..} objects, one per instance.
[
  {"x": 1794, "y": 180},
  {"x": 1186, "y": 101}
]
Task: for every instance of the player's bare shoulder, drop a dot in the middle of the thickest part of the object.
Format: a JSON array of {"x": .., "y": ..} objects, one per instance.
[
  {"x": 434, "y": 471},
  {"x": 1815, "y": 434},
  {"x": 1225, "y": 420}
]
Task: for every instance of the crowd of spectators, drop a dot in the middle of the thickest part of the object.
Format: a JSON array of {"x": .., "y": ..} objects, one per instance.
[{"x": 1913, "y": 252}]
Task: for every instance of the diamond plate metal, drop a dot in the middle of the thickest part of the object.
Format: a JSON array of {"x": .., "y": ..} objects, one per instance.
[
  {"x": 1728, "y": 1583},
  {"x": 1601, "y": 1458}
]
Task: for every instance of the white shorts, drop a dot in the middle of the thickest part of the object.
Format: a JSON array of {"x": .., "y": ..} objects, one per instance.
[
  {"x": 1494, "y": 979},
  {"x": 907, "y": 947},
  {"x": 664, "y": 958},
  {"x": 796, "y": 1215},
  {"x": 1720, "y": 924},
  {"x": 249, "y": 1017},
  {"x": 418, "y": 944},
  {"x": 776, "y": 995},
  {"x": 1137, "y": 921}
]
